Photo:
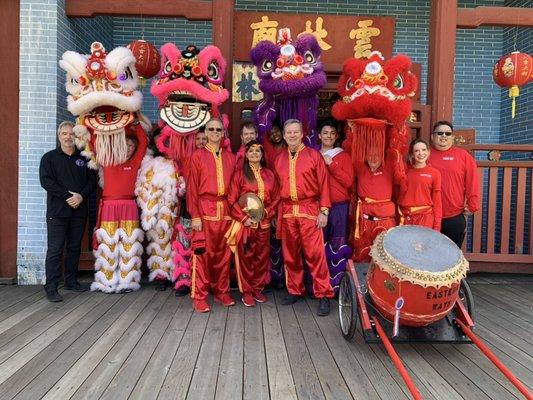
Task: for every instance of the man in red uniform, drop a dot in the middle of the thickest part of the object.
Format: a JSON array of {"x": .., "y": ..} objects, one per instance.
[
  {"x": 302, "y": 214},
  {"x": 207, "y": 189},
  {"x": 273, "y": 145},
  {"x": 460, "y": 188},
  {"x": 375, "y": 210},
  {"x": 248, "y": 133},
  {"x": 341, "y": 176}
]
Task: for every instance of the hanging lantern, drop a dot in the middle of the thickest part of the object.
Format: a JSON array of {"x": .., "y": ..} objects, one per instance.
[
  {"x": 512, "y": 71},
  {"x": 148, "y": 58}
]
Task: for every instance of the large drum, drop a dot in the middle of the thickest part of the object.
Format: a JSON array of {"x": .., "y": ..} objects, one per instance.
[{"x": 420, "y": 265}]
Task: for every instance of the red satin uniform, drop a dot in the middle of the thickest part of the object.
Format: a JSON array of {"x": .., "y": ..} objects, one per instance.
[
  {"x": 420, "y": 199},
  {"x": 304, "y": 189},
  {"x": 253, "y": 251},
  {"x": 375, "y": 210},
  {"x": 239, "y": 157},
  {"x": 272, "y": 152},
  {"x": 458, "y": 170},
  {"x": 209, "y": 179}
]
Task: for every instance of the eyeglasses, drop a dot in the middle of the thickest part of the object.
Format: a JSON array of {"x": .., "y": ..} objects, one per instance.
[
  {"x": 440, "y": 133},
  {"x": 215, "y": 129}
]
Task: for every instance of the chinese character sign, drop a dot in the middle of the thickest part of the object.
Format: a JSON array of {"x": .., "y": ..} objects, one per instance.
[
  {"x": 339, "y": 36},
  {"x": 245, "y": 83}
]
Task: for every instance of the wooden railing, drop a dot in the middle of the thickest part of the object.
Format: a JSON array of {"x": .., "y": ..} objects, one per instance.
[{"x": 500, "y": 235}]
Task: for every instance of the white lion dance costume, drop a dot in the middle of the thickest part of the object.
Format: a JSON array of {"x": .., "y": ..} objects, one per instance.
[
  {"x": 189, "y": 89},
  {"x": 103, "y": 96}
]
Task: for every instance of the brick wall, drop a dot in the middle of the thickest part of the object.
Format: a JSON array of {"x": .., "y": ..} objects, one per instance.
[
  {"x": 45, "y": 33},
  {"x": 159, "y": 31}
]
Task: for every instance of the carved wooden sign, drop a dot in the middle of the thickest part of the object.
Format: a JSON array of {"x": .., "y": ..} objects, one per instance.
[{"x": 339, "y": 36}]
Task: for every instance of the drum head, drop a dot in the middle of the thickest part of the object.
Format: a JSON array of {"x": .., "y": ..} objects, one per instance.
[{"x": 421, "y": 248}]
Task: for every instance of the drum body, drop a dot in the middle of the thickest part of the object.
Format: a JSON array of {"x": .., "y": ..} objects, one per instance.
[{"x": 420, "y": 265}]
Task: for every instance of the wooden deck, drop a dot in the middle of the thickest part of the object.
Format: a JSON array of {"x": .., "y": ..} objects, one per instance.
[{"x": 149, "y": 345}]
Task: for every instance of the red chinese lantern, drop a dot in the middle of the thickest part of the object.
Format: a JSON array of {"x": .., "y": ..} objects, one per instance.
[
  {"x": 512, "y": 71},
  {"x": 147, "y": 56}
]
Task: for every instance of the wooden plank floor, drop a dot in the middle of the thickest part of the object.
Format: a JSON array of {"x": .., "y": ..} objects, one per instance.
[{"x": 151, "y": 345}]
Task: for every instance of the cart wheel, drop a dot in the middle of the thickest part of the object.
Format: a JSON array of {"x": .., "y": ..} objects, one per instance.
[
  {"x": 465, "y": 294},
  {"x": 347, "y": 306}
]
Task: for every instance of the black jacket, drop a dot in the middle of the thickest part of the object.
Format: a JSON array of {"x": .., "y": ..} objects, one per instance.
[{"x": 60, "y": 173}]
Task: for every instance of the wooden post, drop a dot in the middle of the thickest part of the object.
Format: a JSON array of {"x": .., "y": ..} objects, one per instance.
[
  {"x": 223, "y": 11},
  {"x": 9, "y": 115},
  {"x": 442, "y": 32}
]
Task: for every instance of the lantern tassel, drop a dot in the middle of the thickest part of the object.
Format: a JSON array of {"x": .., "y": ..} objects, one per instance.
[{"x": 514, "y": 92}]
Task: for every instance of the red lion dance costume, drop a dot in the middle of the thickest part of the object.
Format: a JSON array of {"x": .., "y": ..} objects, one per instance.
[
  {"x": 102, "y": 94},
  {"x": 375, "y": 104},
  {"x": 189, "y": 89}
]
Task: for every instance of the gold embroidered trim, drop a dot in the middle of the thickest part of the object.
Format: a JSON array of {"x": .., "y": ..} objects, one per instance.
[
  {"x": 292, "y": 173},
  {"x": 221, "y": 189},
  {"x": 260, "y": 182}
]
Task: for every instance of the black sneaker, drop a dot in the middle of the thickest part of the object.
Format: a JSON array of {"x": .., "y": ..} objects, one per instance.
[
  {"x": 183, "y": 291},
  {"x": 290, "y": 299},
  {"x": 323, "y": 307},
  {"x": 161, "y": 285},
  {"x": 53, "y": 296},
  {"x": 76, "y": 287}
]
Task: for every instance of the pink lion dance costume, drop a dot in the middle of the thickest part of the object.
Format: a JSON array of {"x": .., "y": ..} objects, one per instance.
[
  {"x": 375, "y": 104},
  {"x": 189, "y": 89},
  {"x": 102, "y": 94}
]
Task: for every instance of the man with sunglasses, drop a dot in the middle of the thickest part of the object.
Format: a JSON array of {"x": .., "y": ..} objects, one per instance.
[
  {"x": 460, "y": 188},
  {"x": 207, "y": 188}
]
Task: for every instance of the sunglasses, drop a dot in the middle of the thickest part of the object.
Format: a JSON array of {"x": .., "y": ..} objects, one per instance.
[
  {"x": 214, "y": 129},
  {"x": 440, "y": 133}
]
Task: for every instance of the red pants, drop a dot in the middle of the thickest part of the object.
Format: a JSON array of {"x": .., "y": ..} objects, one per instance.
[
  {"x": 425, "y": 219},
  {"x": 368, "y": 230},
  {"x": 301, "y": 234},
  {"x": 253, "y": 260},
  {"x": 211, "y": 269}
]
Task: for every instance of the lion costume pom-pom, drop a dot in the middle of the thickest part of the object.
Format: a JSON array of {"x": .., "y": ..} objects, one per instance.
[{"x": 375, "y": 104}]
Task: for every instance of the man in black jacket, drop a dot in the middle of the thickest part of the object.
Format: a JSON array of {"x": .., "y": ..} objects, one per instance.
[{"x": 68, "y": 182}]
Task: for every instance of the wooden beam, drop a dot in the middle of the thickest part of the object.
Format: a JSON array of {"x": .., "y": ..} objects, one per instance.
[
  {"x": 199, "y": 10},
  {"x": 223, "y": 14},
  {"x": 442, "y": 33},
  {"x": 9, "y": 115},
  {"x": 471, "y": 18}
]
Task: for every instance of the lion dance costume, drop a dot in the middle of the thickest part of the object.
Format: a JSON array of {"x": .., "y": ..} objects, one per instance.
[
  {"x": 103, "y": 95},
  {"x": 375, "y": 104},
  {"x": 291, "y": 75},
  {"x": 189, "y": 90}
]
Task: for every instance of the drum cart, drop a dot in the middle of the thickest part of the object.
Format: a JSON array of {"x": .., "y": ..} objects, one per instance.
[{"x": 355, "y": 304}]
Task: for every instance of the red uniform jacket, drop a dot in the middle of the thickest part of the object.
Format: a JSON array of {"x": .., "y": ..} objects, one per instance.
[
  {"x": 458, "y": 170},
  {"x": 423, "y": 188},
  {"x": 119, "y": 180},
  {"x": 341, "y": 177},
  {"x": 304, "y": 185},
  {"x": 375, "y": 189},
  {"x": 266, "y": 188},
  {"x": 209, "y": 179},
  {"x": 271, "y": 153}
]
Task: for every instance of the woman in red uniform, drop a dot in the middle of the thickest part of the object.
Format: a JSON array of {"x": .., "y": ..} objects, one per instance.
[
  {"x": 252, "y": 239},
  {"x": 118, "y": 238},
  {"x": 420, "y": 196}
]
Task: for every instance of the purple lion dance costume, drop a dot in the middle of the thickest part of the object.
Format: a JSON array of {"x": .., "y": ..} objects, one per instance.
[{"x": 291, "y": 75}]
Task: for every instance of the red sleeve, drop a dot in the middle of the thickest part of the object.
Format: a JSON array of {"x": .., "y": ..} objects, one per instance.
[
  {"x": 437, "y": 201},
  {"x": 323, "y": 182},
  {"x": 140, "y": 152},
  {"x": 341, "y": 169},
  {"x": 274, "y": 198},
  {"x": 233, "y": 196},
  {"x": 472, "y": 184},
  {"x": 192, "y": 197}
]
